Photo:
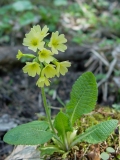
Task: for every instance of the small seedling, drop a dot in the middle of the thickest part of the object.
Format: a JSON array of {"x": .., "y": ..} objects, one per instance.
[
  {"x": 60, "y": 134},
  {"x": 105, "y": 155}
]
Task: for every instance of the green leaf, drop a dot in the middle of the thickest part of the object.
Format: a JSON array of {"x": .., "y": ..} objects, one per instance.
[
  {"x": 4, "y": 39},
  {"x": 27, "y": 18},
  {"x": 100, "y": 76},
  {"x": 104, "y": 156},
  {"x": 64, "y": 156},
  {"x": 31, "y": 133},
  {"x": 97, "y": 133},
  {"x": 49, "y": 150},
  {"x": 22, "y": 5},
  {"x": 116, "y": 107},
  {"x": 4, "y": 9},
  {"x": 118, "y": 156},
  {"x": 60, "y": 2},
  {"x": 62, "y": 123},
  {"x": 83, "y": 96}
]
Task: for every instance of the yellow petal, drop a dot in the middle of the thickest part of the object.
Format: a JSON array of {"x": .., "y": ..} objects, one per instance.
[
  {"x": 49, "y": 71},
  {"x": 32, "y": 68},
  {"x": 42, "y": 81}
]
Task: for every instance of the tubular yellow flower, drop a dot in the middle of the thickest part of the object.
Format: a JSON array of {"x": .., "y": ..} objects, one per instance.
[
  {"x": 42, "y": 81},
  {"x": 49, "y": 71},
  {"x": 57, "y": 42},
  {"x": 45, "y": 56},
  {"x": 32, "y": 68},
  {"x": 62, "y": 67},
  {"x": 33, "y": 41},
  {"x": 19, "y": 55},
  {"x": 41, "y": 32}
]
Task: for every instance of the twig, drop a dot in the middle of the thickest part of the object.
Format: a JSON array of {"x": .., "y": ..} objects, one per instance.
[
  {"x": 75, "y": 155},
  {"x": 93, "y": 66},
  {"x": 60, "y": 101},
  {"x": 99, "y": 68},
  {"x": 112, "y": 64},
  {"x": 105, "y": 88},
  {"x": 90, "y": 60},
  {"x": 55, "y": 107},
  {"x": 85, "y": 151},
  {"x": 118, "y": 148},
  {"x": 100, "y": 57}
]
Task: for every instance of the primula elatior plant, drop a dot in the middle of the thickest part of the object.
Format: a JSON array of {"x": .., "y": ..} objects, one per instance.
[{"x": 61, "y": 133}]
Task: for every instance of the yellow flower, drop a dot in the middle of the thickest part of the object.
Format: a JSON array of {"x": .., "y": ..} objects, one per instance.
[
  {"x": 32, "y": 68},
  {"x": 62, "y": 67},
  {"x": 33, "y": 41},
  {"x": 42, "y": 81},
  {"x": 45, "y": 56},
  {"x": 56, "y": 42},
  {"x": 49, "y": 71},
  {"x": 41, "y": 32},
  {"x": 19, "y": 55}
]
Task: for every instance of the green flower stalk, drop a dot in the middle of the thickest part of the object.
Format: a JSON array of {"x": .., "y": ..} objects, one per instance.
[{"x": 20, "y": 55}]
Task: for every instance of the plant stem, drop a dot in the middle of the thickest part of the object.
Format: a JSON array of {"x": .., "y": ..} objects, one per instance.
[
  {"x": 47, "y": 109},
  {"x": 48, "y": 116},
  {"x": 65, "y": 142}
]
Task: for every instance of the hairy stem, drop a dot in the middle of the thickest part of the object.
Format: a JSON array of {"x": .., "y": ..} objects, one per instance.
[
  {"x": 47, "y": 110},
  {"x": 49, "y": 117}
]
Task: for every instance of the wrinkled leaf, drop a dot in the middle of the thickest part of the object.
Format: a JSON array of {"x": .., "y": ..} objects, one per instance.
[
  {"x": 97, "y": 133},
  {"x": 62, "y": 123},
  {"x": 49, "y": 150},
  {"x": 83, "y": 96},
  {"x": 31, "y": 133}
]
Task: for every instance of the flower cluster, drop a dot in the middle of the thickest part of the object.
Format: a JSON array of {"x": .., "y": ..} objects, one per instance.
[{"x": 43, "y": 62}]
